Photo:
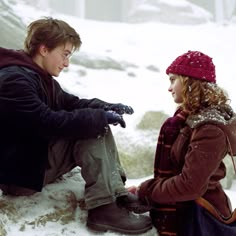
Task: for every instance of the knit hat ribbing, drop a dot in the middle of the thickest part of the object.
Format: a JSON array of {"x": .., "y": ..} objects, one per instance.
[{"x": 194, "y": 64}]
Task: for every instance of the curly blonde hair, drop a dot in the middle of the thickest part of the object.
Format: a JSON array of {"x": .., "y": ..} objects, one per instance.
[{"x": 198, "y": 94}]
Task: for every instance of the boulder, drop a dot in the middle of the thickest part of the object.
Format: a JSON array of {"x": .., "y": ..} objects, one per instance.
[{"x": 12, "y": 27}]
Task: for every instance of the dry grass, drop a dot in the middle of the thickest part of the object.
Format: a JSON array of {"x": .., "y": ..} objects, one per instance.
[{"x": 62, "y": 215}]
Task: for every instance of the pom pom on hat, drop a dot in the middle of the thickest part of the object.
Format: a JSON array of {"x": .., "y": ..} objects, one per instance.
[{"x": 194, "y": 64}]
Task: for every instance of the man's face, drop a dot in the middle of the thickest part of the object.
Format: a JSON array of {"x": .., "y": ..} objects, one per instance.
[{"x": 54, "y": 61}]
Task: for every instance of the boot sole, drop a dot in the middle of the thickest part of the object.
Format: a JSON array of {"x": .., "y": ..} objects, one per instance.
[{"x": 105, "y": 228}]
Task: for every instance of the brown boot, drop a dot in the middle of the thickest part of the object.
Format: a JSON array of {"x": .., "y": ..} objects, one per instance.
[{"x": 111, "y": 217}]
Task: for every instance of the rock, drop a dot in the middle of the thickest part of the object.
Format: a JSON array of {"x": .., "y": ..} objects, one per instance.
[
  {"x": 12, "y": 27},
  {"x": 176, "y": 12}
]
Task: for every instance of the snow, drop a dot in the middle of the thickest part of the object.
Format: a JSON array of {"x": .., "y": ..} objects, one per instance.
[{"x": 55, "y": 210}]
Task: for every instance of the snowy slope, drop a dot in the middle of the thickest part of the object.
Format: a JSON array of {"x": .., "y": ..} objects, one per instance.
[{"x": 58, "y": 209}]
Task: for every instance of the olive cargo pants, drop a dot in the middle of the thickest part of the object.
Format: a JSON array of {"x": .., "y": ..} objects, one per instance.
[{"x": 100, "y": 167}]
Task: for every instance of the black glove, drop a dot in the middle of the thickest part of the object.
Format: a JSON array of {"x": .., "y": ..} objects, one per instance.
[
  {"x": 114, "y": 118},
  {"x": 120, "y": 108}
]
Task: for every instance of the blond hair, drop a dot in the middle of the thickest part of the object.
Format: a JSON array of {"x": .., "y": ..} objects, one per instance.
[
  {"x": 198, "y": 94},
  {"x": 51, "y": 33}
]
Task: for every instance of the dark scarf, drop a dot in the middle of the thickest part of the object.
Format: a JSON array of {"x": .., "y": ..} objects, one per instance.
[{"x": 167, "y": 136}]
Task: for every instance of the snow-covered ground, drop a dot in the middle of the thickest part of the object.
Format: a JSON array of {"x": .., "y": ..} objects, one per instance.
[{"x": 55, "y": 210}]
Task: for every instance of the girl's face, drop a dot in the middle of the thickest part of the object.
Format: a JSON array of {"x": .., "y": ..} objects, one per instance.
[{"x": 176, "y": 88}]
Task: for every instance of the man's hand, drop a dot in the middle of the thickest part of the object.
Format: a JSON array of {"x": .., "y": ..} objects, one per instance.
[
  {"x": 114, "y": 118},
  {"x": 120, "y": 108}
]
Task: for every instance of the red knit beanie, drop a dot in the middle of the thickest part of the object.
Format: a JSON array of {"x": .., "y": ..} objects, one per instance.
[{"x": 194, "y": 64}]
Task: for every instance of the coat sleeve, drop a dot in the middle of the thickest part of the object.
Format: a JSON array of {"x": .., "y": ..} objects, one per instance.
[
  {"x": 205, "y": 153},
  {"x": 22, "y": 107}
]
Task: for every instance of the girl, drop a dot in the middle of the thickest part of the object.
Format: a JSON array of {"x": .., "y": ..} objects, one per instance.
[{"x": 191, "y": 146}]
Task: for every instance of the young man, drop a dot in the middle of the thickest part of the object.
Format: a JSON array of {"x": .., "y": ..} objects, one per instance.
[{"x": 45, "y": 132}]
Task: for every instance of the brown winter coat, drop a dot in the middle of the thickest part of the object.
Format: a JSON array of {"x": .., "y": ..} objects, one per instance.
[{"x": 196, "y": 167}]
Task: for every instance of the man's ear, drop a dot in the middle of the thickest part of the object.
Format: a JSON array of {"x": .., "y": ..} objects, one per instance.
[{"x": 43, "y": 50}]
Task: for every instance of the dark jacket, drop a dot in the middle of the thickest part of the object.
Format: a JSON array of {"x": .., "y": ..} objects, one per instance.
[
  {"x": 196, "y": 168},
  {"x": 34, "y": 109}
]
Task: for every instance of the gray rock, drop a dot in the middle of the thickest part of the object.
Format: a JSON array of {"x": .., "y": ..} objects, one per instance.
[
  {"x": 12, "y": 27},
  {"x": 161, "y": 11},
  {"x": 93, "y": 61}
]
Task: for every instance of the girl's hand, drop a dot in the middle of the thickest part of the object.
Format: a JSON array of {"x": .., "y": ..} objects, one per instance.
[{"x": 133, "y": 189}]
